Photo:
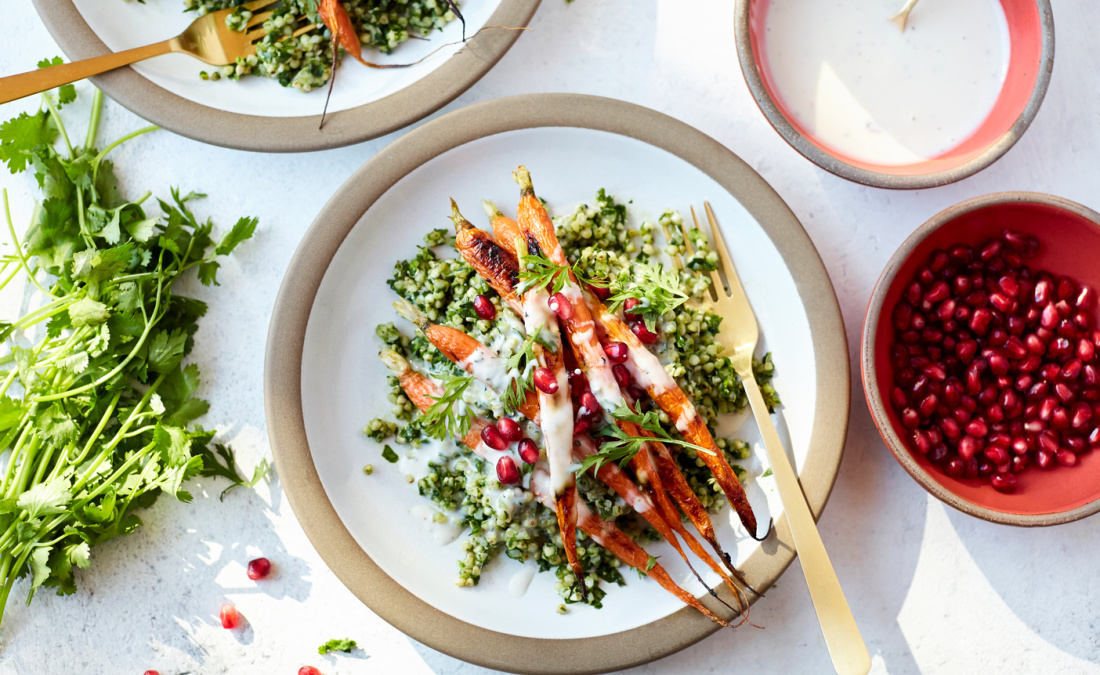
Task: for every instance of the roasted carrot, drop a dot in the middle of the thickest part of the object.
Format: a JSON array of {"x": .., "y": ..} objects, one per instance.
[
  {"x": 495, "y": 264},
  {"x": 505, "y": 229}
]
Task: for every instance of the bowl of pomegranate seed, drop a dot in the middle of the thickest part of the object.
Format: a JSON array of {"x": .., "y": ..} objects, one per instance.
[{"x": 981, "y": 358}]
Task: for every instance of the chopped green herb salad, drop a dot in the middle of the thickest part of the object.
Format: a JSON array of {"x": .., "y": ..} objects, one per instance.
[
  {"x": 631, "y": 265},
  {"x": 305, "y": 61}
]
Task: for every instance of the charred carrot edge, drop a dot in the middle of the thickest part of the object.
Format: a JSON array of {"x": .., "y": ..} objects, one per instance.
[
  {"x": 494, "y": 263},
  {"x": 673, "y": 401},
  {"x": 458, "y": 347}
]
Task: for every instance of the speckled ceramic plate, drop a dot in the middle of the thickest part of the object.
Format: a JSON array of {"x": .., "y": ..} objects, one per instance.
[
  {"x": 257, "y": 113},
  {"x": 323, "y": 380}
]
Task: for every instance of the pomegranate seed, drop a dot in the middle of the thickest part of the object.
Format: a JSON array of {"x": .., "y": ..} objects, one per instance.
[
  {"x": 977, "y": 299},
  {"x": 229, "y": 616},
  {"x": 937, "y": 293},
  {"x": 928, "y": 406},
  {"x": 922, "y": 441},
  {"x": 1091, "y": 375},
  {"x": 1019, "y": 463},
  {"x": 965, "y": 350},
  {"x": 1066, "y": 457},
  {"x": 601, "y": 292},
  {"x": 997, "y": 454},
  {"x": 968, "y": 446},
  {"x": 1048, "y": 441},
  {"x": 963, "y": 415},
  {"x": 897, "y": 398},
  {"x": 1063, "y": 392},
  {"x": 939, "y": 261},
  {"x": 509, "y": 429},
  {"x": 1085, "y": 349},
  {"x": 1009, "y": 286},
  {"x": 950, "y": 427},
  {"x": 581, "y": 426},
  {"x": 1059, "y": 419},
  {"x": 589, "y": 404},
  {"x": 963, "y": 254},
  {"x": 1076, "y": 444},
  {"x": 938, "y": 454},
  {"x": 1044, "y": 292},
  {"x": 1034, "y": 426},
  {"x": 1049, "y": 318},
  {"x": 1015, "y": 240},
  {"x": 903, "y": 314},
  {"x": 1002, "y": 302},
  {"x": 977, "y": 428},
  {"x": 925, "y": 276},
  {"x": 1066, "y": 288},
  {"x": 308, "y": 670},
  {"x": 578, "y": 383},
  {"x": 507, "y": 471},
  {"x": 980, "y": 320},
  {"x": 617, "y": 352},
  {"x": 1035, "y": 345},
  {"x": 962, "y": 285},
  {"x": 259, "y": 569},
  {"x": 528, "y": 451},
  {"x": 559, "y": 305},
  {"x": 1020, "y": 446},
  {"x": 490, "y": 435},
  {"x": 622, "y": 375},
  {"x": 630, "y": 304},
  {"x": 1082, "y": 320},
  {"x": 1067, "y": 329},
  {"x": 1084, "y": 298},
  {"x": 1046, "y": 408},
  {"x": 998, "y": 364},
  {"x": 1003, "y": 482},
  {"x": 151, "y": 672},
  {"x": 1060, "y": 347},
  {"x": 946, "y": 309},
  {"x": 644, "y": 334},
  {"x": 484, "y": 308},
  {"x": 1044, "y": 459},
  {"x": 1094, "y": 437},
  {"x": 1015, "y": 324},
  {"x": 1030, "y": 364},
  {"x": 990, "y": 250},
  {"x": 913, "y": 293},
  {"x": 546, "y": 382},
  {"x": 955, "y": 468}
]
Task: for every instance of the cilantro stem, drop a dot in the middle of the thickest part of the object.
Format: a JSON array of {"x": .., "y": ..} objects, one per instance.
[
  {"x": 15, "y": 270},
  {"x": 19, "y": 247},
  {"x": 93, "y": 123},
  {"x": 98, "y": 430},
  {"x": 112, "y": 146},
  {"x": 60, "y": 125}
]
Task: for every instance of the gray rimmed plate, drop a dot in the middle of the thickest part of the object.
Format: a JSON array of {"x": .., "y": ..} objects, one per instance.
[
  {"x": 257, "y": 113},
  {"x": 323, "y": 380}
]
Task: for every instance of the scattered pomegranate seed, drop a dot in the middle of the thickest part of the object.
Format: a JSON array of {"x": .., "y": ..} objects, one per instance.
[
  {"x": 490, "y": 435},
  {"x": 622, "y": 375},
  {"x": 259, "y": 569},
  {"x": 151, "y": 672},
  {"x": 509, "y": 430},
  {"x": 559, "y": 305},
  {"x": 546, "y": 382},
  {"x": 507, "y": 471},
  {"x": 617, "y": 352},
  {"x": 308, "y": 670},
  {"x": 630, "y": 304},
  {"x": 528, "y": 451},
  {"x": 581, "y": 426},
  {"x": 996, "y": 365},
  {"x": 484, "y": 308},
  {"x": 229, "y": 616},
  {"x": 601, "y": 292},
  {"x": 644, "y": 334}
]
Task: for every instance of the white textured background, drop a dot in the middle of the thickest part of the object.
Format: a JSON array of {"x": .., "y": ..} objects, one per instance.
[{"x": 933, "y": 590}]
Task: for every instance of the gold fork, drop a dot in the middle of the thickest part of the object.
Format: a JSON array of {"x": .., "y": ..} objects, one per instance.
[
  {"x": 208, "y": 39},
  {"x": 738, "y": 333}
]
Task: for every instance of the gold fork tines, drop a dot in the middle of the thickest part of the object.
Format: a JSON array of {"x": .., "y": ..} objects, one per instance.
[
  {"x": 738, "y": 334},
  {"x": 208, "y": 39}
]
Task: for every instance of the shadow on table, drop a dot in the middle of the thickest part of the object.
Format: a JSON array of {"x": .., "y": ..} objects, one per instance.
[{"x": 1019, "y": 576}]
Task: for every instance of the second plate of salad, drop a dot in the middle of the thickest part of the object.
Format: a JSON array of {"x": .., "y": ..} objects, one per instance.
[{"x": 378, "y": 416}]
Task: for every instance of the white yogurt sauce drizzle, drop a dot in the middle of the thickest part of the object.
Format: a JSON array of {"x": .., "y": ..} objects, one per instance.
[
  {"x": 867, "y": 90},
  {"x": 485, "y": 365},
  {"x": 442, "y": 533},
  {"x": 556, "y": 410},
  {"x": 521, "y": 581}
]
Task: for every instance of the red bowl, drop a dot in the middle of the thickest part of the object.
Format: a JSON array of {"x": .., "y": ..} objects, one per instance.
[
  {"x": 1070, "y": 246},
  {"x": 1031, "y": 59}
]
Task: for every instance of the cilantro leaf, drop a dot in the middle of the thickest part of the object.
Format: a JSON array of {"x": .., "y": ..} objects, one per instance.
[
  {"x": 447, "y": 417},
  {"x": 623, "y": 446},
  {"x": 244, "y": 229},
  {"x": 335, "y": 645},
  {"x": 657, "y": 289}
]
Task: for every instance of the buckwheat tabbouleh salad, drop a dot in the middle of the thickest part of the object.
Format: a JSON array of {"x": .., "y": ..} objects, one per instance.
[
  {"x": 504, "y": 513},
  {"x": 305, "y": 62}
]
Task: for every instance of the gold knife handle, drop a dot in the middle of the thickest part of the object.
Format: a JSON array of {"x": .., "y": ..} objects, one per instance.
[
  {"x": 838, "y": 626},
  {"x": 17, "y": 86}
]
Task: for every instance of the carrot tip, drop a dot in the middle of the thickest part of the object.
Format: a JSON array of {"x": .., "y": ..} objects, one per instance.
[
  {"x": 409, "y": 312},
  {"x": 523, "y": 177},
  {"x": 491, "y": 209},
  {"x": 458, "y": 219},
  {"x": 394, "y": 361}
]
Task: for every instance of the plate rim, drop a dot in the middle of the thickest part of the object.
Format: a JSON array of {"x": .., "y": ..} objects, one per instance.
[
  {"x": 239, "y": 131},
  {"x": 285, "y": 344}
]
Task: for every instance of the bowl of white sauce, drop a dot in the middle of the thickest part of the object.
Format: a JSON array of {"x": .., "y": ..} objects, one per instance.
[{"x": 918, "y": 108}]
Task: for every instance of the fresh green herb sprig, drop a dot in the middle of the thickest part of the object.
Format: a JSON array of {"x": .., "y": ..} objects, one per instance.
[
  {"x": 655, "y": 287},
  {"x": 523, "y": 362},
  {"x": 96, "y": 415},
  {"x": 537, "y": 271},
  {"x": 622, "y": 447},
  {"x": 337, "y": 645},
  {"x": 443, "y": 419}
]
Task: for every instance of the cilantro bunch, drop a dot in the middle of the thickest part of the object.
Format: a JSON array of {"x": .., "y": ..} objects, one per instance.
[{"x": 96, "y": 404}]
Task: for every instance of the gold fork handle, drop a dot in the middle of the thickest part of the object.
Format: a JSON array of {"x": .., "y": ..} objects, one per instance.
[
  {"x": 846, "y": 646},
  {"x": 17, "y": 86}
]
